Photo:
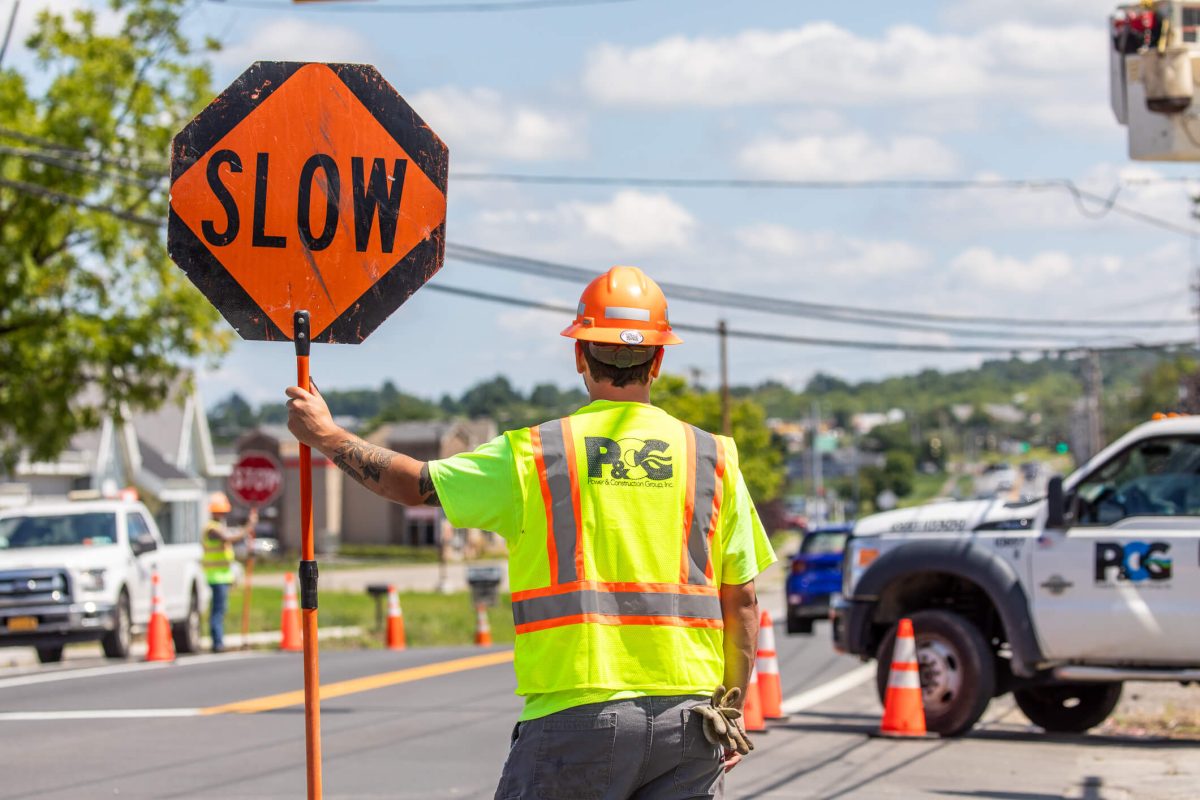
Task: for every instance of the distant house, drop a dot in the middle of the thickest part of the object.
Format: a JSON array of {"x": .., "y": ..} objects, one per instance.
[{"x": 165, "y": 455}]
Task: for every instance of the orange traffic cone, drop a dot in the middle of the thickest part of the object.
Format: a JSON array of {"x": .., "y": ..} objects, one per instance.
[
  {"x": 769, "y": 688},
  {"x": 903, "y": 711},
  {"x": 395, "y": 622},
  {"x": 289, "y": 623},
  {"x": 752, "y": 711},
  {"x": 159, "y": 645},
  {"x": 483, "y": 631}
]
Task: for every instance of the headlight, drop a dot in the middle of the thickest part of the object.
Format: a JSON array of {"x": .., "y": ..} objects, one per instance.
[{"x": 91, "y": 580}]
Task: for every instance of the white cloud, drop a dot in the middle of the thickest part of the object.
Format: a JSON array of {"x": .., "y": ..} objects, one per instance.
[
  {"x": 637, "y": 222},
  {"x": 850, "y": 156},
  {"x": 825, "y": 64},
  {"x": 1094, "y": 117},
  {"x": 482, "y": 123},
  {"x": 970, "y": 13},
  {"x": 992, "y": 270},
  {"x": 844, "y": 257},
  {"x": 290, "y": 39}
]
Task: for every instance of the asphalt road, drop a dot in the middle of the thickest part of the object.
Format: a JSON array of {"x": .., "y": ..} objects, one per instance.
[{"x": 403, "y": 726}]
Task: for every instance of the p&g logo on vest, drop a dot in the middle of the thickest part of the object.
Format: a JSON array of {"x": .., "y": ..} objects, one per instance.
[{"x": 630, "y": 462}]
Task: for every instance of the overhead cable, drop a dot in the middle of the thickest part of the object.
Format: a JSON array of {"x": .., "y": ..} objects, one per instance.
[
  {"x": 780, "y": 338},
  {"x": 418, "y": 8},
  {"x": 879, "y": 317}
]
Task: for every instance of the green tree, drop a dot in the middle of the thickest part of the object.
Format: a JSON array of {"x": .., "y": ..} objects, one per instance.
[
  {"x": 94, "y": 317},
  {"x": 761, "y": 462}
]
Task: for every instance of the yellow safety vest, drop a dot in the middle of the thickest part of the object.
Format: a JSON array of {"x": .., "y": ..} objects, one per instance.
[
  {"x": 615, "y": 575},
  {"x": 218, "y": 555}
]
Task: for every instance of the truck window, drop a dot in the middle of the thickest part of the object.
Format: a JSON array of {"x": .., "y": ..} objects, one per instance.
[
  {"x": 1155, "y": 478},
  {"x": 67, "y": 530},
  {"x": 138, "y": 527}
]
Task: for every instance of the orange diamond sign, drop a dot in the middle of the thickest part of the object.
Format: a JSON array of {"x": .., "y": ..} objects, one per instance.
[{"x": 308, "y": 186}]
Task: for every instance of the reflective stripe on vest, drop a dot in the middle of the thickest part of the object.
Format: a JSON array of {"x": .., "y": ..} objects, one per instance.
[{"x": 571, "y": 599}]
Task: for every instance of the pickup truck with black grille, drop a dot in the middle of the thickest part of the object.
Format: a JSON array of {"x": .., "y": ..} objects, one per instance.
[
  {"x": 79, "y": 571},
  {"x": 1058, "y": 600}
]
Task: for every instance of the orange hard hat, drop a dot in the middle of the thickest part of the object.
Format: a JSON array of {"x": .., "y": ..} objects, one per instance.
[
  {"x": 218, "y": 503},
  {"x": 623, "y": 306}
]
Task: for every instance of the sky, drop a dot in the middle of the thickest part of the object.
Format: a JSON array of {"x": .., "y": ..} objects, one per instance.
[{"x": 775, "y": 89}]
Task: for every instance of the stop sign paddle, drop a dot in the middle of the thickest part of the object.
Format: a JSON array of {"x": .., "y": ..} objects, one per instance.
[{"x": 308, "y": 202}]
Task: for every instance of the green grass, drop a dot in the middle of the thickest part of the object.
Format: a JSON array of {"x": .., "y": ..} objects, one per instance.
[{"x": 429, "y": 619}]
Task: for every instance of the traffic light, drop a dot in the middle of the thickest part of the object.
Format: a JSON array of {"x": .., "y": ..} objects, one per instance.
[{"x": 1062, "y": 448}]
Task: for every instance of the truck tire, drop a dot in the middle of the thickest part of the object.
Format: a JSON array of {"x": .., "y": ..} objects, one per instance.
[
  {"x": 798, "y": 624},
  {"x": 117, "y": 642},
  {"x": 1068, "y": 707},
  {"x": 186, "y": 632},
  {"x": 50, "y": 653},
  {"x": 958, "y": 673}
]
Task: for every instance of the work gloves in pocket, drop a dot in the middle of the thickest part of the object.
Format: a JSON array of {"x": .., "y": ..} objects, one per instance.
[{"x": 720, "y": 721}]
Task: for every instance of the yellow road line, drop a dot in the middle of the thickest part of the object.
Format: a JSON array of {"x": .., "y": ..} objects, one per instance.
[{"x": 342, "y": 688}]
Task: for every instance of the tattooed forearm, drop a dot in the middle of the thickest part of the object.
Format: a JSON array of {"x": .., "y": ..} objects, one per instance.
[
  {"x": 361, "y": 461},
  {"x": 426, "y": 489}
]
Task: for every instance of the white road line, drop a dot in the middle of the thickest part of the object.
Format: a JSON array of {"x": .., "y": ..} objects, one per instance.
[
  {"x": 118, "y": 669},
  {"x": 827, "y": 691},
  {"x": 104, "y": 713}
]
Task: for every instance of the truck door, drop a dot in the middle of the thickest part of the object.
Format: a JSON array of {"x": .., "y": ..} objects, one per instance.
[
  {"x": 1124, "y": 577},
  {"x": 145, "y": 561}
]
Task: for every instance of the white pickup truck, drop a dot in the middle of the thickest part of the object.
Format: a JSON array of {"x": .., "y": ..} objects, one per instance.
[
  {"x": 1058, "y": 600},
  {"x": 81, "y": 571}
]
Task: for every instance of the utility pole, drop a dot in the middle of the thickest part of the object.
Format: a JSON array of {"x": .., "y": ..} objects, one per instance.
[
  {"x": 818, "y": 477},
  {"x": 1095, "y": 408},
  {"x": 726, "y": 410}
]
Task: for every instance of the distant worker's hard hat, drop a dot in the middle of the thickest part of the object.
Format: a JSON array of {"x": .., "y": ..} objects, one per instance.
[
  {"x": 623, "y": 306},
  {"x": 218, "y": 503}
]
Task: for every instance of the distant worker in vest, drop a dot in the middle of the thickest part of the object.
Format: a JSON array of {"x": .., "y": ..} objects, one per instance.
[
  {"x": 633, "y": 550},
  {"x": 219, "y": 559}
]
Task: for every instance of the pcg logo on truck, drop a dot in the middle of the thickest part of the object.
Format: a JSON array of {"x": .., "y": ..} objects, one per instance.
[{"x": 1132, "y": 561}]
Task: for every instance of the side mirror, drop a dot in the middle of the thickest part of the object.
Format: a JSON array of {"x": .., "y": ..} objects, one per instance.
[
  {"x": 143, "y": 544},
  {"x": 1056, "y": 507}
]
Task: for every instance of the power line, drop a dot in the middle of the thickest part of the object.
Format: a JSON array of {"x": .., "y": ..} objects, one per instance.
[
  {"x": 78, "y": 202},
  {"x": 155, "y": 170},
  {"x": 863, "y": 315},
  {"x": 780, "y": 338},
  {"x": 419, "y": 8},
  {"x": 78, "y": 167},
  {"x": 1105, "y": 204}
]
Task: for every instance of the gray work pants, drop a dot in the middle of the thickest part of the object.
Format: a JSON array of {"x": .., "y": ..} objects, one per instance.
[{"x": 648, "y": 748}]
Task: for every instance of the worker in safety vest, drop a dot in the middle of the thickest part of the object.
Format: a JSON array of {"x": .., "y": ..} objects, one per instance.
[
  {"x": 218, "y": 561},
  {"x": 633, "y": 549}
]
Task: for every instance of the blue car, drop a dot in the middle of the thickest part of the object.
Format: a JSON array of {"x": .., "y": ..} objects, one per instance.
[{"x": 816, "y": 574}]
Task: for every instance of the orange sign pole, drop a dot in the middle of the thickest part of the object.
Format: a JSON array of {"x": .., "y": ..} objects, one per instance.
[{"x": 308, "y": 584}]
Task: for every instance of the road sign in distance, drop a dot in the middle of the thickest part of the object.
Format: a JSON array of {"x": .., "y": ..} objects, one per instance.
[
  {"x": 308, "y": 186},
  {"x": 256, "y": 479}
]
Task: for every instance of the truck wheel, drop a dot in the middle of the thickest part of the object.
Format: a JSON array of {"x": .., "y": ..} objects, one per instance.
[
  {"x": 186, "y": 632},
  {"x": 796, "y": 624},
  {"x": 50, "y": 653},
  {"x": 1068, "y": 707},
  {"x": 116, "y": 643},
  {"x": 958, "y": 673}
]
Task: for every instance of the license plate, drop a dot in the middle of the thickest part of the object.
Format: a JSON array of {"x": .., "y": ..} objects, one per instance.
[{"x": 22, "y": 623}]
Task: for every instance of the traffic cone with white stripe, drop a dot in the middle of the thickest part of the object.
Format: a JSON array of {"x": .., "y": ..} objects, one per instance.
[
  {"x": 290, "y": 639},
  {"x": 483, "y": 630},
  {"x": 903, "y": 711},
  {"x": 769, "y": 687},
  {"x": 395, "y": 621},
  {"x": 159, "y": 645},
  {"x": 752, "y": 710}
]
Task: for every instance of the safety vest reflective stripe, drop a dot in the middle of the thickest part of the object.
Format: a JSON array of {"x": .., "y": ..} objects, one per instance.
[
  {"x": 617, "y": 604},
  {"x": 702, "y": 505},
  {"x": 554, "y": 452}
]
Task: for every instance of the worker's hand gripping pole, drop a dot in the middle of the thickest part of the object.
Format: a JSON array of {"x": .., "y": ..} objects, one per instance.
[{"x": 308, "y": 582}]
